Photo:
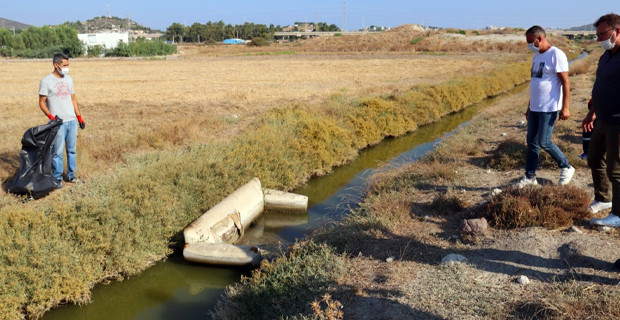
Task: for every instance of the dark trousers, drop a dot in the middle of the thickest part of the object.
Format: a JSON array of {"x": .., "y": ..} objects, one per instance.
[
  {"x": 604, "y": 161},
  {"x": 585, "y": 139}
]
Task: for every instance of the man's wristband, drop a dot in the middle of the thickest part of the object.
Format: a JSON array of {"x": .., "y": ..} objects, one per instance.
[
  {"x": 50, "y": 116},
  {"x": 80, "y": 119}
]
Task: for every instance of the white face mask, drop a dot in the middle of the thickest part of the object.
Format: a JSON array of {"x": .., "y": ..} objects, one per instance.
[
  {"x": 607, "y": 44},
  {"x": 532, "y": 47},
  {"x": 62, "y": 70}
]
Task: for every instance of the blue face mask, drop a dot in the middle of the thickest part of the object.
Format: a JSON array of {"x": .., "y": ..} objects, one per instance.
[{"x": 532, "y": 47}]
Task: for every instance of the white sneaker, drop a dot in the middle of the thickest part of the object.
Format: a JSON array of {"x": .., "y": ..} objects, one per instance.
[
  {"x": 524, "y": 182},
  {"x": 597, "y": 206},
  {"x": 566, "y": 174},
  {"x": 611, "y": 220}
]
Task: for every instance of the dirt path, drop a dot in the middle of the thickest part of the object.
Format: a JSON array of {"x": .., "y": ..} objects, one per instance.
[{"x": 398, "y": 274}]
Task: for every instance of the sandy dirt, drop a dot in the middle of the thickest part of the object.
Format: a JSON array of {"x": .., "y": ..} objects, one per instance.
[{"x": 398, "y": 275}]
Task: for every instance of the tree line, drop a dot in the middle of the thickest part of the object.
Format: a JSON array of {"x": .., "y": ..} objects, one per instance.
[
  {"x": 44, "y": 42},
  {"x": 212, "y": 32},
  {"x": 40, "y": 42}
]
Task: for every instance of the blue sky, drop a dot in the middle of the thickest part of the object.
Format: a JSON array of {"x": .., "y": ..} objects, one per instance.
[{"x": 159, "y": 14}]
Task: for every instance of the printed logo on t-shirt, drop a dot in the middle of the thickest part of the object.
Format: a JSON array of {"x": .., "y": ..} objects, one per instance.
[
  {"x": 538, "y": 73},
  {"x": 62, "y": 89}
]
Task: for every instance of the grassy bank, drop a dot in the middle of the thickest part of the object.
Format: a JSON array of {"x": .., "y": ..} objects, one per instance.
[
  {"x": 409, "y": 220},
  {"x": 53, "y": 252}
]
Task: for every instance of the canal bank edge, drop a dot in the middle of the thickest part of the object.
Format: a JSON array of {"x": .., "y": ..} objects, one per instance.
[{"x": 101, "y": 233}]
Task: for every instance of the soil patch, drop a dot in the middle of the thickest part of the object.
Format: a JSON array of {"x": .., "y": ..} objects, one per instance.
[{"x": 397, "y": 272}]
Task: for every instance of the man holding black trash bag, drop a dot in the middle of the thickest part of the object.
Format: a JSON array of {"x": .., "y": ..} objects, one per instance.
[{"x": 57, "y": 100}]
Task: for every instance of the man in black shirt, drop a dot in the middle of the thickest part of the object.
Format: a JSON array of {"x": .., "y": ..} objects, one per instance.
[{"x": 603, "y": 154}]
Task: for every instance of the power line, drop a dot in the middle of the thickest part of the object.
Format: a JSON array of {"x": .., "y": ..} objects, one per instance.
[{"x": 344, "y": 16}]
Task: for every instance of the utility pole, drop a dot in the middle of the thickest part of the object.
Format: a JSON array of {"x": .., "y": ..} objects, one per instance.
[
  {"x": 316, "y": 22},
  {"x": 344, "y": 17}
]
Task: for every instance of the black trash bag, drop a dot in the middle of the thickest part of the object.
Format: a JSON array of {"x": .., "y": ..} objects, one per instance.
[{"x": 35, "y": 164}]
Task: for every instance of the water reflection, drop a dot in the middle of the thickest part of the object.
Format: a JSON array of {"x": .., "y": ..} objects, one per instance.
[{"x": 170, "y": 290}]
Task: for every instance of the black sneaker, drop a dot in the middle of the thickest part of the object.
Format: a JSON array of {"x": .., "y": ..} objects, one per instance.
[
  {"x": 617, "y": 264},
  {"x": 59, "y": 184},
  {"x": 75, "y": 180}
]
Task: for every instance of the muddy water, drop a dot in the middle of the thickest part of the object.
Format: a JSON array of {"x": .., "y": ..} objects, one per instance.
[{"x": 175, "y": 289}]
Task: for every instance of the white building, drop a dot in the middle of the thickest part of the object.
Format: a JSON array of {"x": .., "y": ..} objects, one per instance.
[{"x": 108, "y": 40}]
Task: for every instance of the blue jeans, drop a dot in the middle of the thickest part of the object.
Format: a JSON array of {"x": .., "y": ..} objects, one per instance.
[
  {"x": 67, "y": 135},
  {"x": 539, "y": 130}
]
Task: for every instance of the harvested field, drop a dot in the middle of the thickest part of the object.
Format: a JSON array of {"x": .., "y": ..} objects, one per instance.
[{"x": 130, "y": 105}]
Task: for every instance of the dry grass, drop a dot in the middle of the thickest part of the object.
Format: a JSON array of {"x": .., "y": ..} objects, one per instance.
[
  {"x": 390, "y": 224},
  {"x": 547, "y": 206},
  {"x": 161, "y": 146},
  {"x": 586, "y": 64},
  {"x": 564, "y": 301},
  {"x": 134, "y": 105},
  {"x": 510, "y": 154},
  {"x": 120, "y": 223}
]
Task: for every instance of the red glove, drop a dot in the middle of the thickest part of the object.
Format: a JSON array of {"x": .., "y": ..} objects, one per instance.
[
  {"x": 51, "y": 117},
  {"x": 81, "y": 121}
]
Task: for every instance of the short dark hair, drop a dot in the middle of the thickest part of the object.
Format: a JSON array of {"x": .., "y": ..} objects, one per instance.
[
  {"x": 59, "y": 57},
  {"x": 610, "y": 19},
  {"x": 536, "y": 30}
]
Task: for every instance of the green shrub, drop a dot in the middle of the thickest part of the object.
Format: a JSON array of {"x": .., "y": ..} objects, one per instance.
[
  {"x": 416, "y": 40},
  {"x": 259, "y": 42},
  {"x": 142, "y": 48},
  {"x": 285, "y": 287},
  {"x": 121, "y": 50},
  {"x": 95, "y": 51}
]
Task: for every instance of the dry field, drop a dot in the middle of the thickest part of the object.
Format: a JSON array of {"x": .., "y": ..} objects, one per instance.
[
  {"x": 126, "y": 217},
  {"x": 131, "y": 105}
]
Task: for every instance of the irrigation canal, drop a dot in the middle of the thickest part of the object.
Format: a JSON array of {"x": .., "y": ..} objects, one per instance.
[{"x": 175, "y": 289}]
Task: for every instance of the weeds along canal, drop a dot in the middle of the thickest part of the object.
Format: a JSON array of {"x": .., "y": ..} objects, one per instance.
[{"x": 177, "y": 289}]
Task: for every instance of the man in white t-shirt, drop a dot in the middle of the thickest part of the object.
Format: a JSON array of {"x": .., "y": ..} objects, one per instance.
[
  {"x": 57, "y": 99},
  {"x": 549, "y": 97}
]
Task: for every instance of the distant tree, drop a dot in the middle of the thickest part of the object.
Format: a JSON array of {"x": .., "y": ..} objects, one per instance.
[
  {"x": 196, "y": 33},
  {"x": 6, "y": 38},
  {"x": 69, "y": 41},
  {"x": 175, "y": 32},
  {"x": 333, "y": 27},
  {"x": 121, "y": 50},
  {"x": 323, "y": 26}
]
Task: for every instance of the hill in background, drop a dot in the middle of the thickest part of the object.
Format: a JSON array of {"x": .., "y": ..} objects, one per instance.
[
  {"x": 585, "y": 27},
  {"x": 6, "y": 23},
  {"x": 109, "y": 24}
]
